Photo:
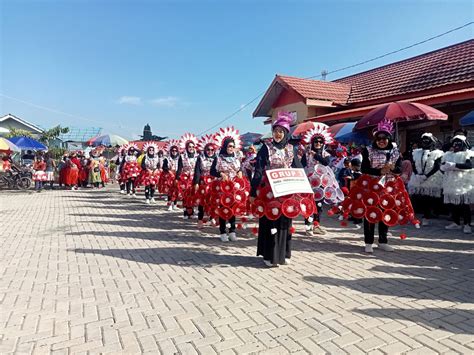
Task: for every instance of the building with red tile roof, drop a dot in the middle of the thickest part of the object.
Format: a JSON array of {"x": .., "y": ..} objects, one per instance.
[{"x": 443, "y": 78}]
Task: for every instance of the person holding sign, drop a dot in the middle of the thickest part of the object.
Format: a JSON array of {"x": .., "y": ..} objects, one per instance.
[{"x": 274, "y": 236}]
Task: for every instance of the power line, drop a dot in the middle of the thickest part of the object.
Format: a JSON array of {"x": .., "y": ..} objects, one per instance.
[{"x": 345, "y": 68}]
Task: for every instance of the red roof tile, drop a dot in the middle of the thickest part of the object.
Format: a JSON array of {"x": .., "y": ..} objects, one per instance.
[
  {"x": 315, "y": 89},
  {"x": 446, "y": 66}
]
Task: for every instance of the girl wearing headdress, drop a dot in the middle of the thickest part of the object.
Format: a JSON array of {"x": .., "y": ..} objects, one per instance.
[
  {"x": 382, "y": 158},
  {"x": 122, "y": 153},
  {"x": 317, "y": 138},
  {"x": 130, "y": 168},
  {"x": 458, "y": 182},
  {"x": 427, "y": 179},
  {"x": 274, "y": 236},
  {"x": 168, "y": 184},
  {"x": 149, "y": 167},
  {"x": 202, "y": 173},
  {"x": 185, "y": 171},
  {"x": 227, "y": 166}
]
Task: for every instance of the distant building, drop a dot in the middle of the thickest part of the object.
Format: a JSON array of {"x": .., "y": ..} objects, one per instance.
[
  {"x": 11, "y": 121},
  {"x": 443, "y": 79},
  {"x": 76, "y": 138}
]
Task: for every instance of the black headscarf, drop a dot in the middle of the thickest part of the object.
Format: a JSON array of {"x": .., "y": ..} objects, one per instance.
[
  {"x": 282, "y": 144},
  {"x": 148, "y": 152},
  {"x": 223, "y": 150},
  {"x": 320, "y": 150},
  {"x": 190, "y": 155},
  {"x": 171, "y": 153},
  {"x": 207, "y": 155}
]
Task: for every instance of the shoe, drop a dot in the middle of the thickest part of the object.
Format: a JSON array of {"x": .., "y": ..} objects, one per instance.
[
  {"x": 147, "y": 201},
  {"x": 224, "y": 237},
  {"x": 268, "y": 263},
  {"x": 309, "y": 233},
  {"x": 453, "y": 226},
  {"x": 319, "y": 230},
  {"x": 122, "y": 192},
  {"x": 153, "y": 200},
  {"x": 467, "y": 229},
  {"x": 134, "y": 195},
  {"x": 232, "y": 237},
  {"x": 357, "y": 226},
  {"x": 368, "y": 248},
  {"x": 170, "y": 208},
  {"x": 385, "y": 247},
  {"x": 287, "y": 261},
  {"x": 425, "y": 222},
  {"x": 175, "y": 207}
]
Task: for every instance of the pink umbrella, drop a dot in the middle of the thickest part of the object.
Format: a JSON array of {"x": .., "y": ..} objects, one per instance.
[{"x": 400, "y": 112}]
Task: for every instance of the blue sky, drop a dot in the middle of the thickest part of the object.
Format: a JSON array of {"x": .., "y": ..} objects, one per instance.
[{"x": 185, "y": 65}]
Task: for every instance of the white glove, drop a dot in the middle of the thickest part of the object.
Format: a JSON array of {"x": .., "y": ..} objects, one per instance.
[{"x": 448, "y": 166}]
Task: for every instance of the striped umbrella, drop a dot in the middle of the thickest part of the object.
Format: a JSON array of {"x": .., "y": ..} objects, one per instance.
[
  {"x": 7, "y": 146},
  {"x": 107, "y": 140},
  {"x": 343, "y": 133}
]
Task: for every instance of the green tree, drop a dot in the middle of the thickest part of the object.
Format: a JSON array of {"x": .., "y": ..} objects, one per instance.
[
  {"x": 17, "y": 132},
  {"x": 52, "y": 134}
]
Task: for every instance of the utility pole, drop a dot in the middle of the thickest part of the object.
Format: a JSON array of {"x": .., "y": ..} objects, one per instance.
[{"x": 324, "y": 73}]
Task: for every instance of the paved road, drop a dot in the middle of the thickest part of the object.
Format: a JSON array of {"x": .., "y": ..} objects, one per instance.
[{"x": 93, "y": 271}]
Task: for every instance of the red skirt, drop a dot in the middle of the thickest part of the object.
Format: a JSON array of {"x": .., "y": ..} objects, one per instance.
[{"x": 71, "y": 176}]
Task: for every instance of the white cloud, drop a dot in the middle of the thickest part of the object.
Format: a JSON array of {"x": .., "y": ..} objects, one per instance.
[
  {"x": 168, "y": 101},
  {"x": 130, "y": 100}
]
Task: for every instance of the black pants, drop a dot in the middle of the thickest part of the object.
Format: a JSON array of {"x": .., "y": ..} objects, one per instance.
[
  {"x": 200, "y": 212},
  {"x": 96, "y": 185},
  {"x": 463, "y": 211},
  {"x": 427, "y": 205},
  {"x": 274, "y": 247},
  {"x": 222, "y": 225},
  {"x": 369, "y": 231},
  {"x": 130, "y": 186},
  {"x": 122, "y": 187},
  {"x": 149, "y": 192},
  {"x": 316, "y": 216}
]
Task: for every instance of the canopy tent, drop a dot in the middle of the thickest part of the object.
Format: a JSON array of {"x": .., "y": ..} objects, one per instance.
[{"x": 26, "y": 143}]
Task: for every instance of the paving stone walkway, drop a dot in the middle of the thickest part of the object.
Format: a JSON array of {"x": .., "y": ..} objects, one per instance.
[{"x": 96, "y": 272}]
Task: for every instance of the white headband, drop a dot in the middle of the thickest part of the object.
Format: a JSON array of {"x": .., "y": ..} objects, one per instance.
[{"x": 460, "y": 137}]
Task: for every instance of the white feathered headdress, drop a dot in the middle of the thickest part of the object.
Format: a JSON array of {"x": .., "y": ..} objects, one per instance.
[
  {"x": 129, "y": 146},
  {"x": 208, "y": 139},
  {"x": 318, "y": 130},
  {"x": 187, "y": 138},
  {"x": 229, "y": 132},
  {"x": 172, "y": 143}
]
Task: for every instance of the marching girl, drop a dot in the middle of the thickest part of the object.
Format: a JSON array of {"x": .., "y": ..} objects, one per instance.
[
  {"x": 274, "y": 237},
  {"x": 83, "y": 177},
  {"x": 168, "y": 184},
  {"x": 72, "y": 171},
  {"x": 226, "y": 166},
  {"x": 130, "y": 168},
  {"x": 248, "y": 165},
  {"x": 317, "y": 138},
  {"x": 149, "y": 165},
  {"x": 94, "y": 173},
  {"x": 122, "y": 153},
  {"x": 50, "y": 169},
  {"x": 380, "y": 159},
  {"x": 185, "y": 170},
  {"x": 427, "y": 179},
  {"x": 458, "y": 182},
  {"x": 39, "y": 176},
  {"x": 202, "y": 170}
]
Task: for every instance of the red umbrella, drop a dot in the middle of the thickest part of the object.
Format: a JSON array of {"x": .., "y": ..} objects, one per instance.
[
  {"x": 399, "y": 112},
  {"x": 303, "y": 127}
]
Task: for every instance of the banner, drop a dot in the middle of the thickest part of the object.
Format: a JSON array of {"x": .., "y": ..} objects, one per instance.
[{"x": 288, "y": 181}]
